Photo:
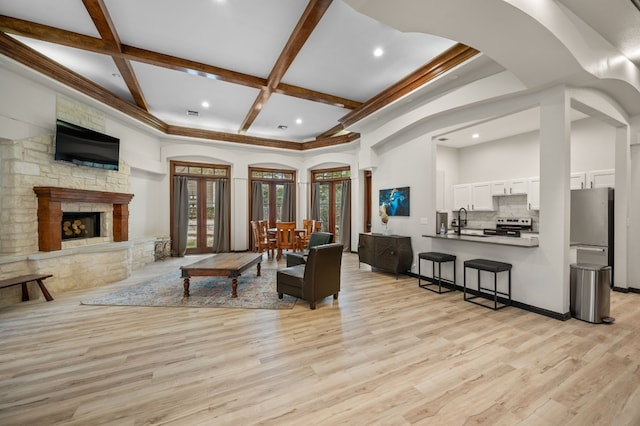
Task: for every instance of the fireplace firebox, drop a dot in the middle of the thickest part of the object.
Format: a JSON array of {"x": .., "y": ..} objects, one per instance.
[{"x": 80, "y": 225}]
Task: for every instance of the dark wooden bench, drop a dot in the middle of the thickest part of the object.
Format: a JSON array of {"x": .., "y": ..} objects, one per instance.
[{"x": 23, "y": 280}]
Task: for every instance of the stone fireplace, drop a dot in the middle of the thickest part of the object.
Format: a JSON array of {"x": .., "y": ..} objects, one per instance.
[{"x": 51, "y": 225}]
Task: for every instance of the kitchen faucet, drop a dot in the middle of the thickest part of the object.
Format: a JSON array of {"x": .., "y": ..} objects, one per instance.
[{"x": 459, "y": 224}]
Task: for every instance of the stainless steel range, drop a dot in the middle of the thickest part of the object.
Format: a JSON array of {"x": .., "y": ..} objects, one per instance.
[{"x": 510, "y": 226}]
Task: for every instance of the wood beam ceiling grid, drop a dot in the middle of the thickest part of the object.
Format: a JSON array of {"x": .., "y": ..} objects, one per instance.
[{"x": 109, "y": 44}]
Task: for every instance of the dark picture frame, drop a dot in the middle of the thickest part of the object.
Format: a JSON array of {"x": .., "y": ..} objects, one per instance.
[{"x": 395, "y": 201}]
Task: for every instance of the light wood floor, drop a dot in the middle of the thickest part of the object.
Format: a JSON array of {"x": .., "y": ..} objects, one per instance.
[{"x": 386, "y": 352}]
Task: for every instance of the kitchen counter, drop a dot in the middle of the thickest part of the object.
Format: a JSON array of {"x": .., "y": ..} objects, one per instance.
[{"x": 528, "y": 240}]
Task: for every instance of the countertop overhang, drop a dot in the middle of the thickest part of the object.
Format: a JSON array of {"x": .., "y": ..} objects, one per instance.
[{"x": 488, "y": 239}]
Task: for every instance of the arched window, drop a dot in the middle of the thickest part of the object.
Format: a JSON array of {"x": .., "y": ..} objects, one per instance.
[
  {"x": 330, "y": 201},
  {"x": 277, "y": 195}
]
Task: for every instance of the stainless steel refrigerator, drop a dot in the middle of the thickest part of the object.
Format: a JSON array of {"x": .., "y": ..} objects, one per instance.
[{"x": 592, "y": 225}]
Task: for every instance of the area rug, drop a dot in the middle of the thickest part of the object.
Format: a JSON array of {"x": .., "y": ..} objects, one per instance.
[{"x": 205, "y": 292}]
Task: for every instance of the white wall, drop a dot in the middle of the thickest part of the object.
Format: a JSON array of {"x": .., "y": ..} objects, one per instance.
[
  {"x": 592, "y": 145},
  {"x": 448, "y": 161},
  {"x": 407, "y": 165},
  {"x": 27, "y": 109},
  {"x": 592, "y": 148},
  {"x": 145, "y": 209},
  {"x": 515, "y": 157},
  {"x": 634, "y": 223}
]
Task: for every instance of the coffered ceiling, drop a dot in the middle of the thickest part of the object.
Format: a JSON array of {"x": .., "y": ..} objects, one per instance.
[{"x": 283, "y": 73}]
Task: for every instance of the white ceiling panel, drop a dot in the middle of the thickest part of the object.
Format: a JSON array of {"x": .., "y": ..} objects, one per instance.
[
  {"x": 618, "y": 21},
  {"x": 170, "y": 94},
  {"x": 100, "y": 69},
  {"x": 63, "y": 14},
  {"x": 246, "y": 36},
  {"x": 338, "y": 57},
  {"x": 285, "y": 110}
]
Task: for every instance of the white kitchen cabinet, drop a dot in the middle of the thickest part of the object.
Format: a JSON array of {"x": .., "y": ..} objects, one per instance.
[
  {"x": 578, "y": 180},
  {"x": 518, "y": 186},
  {"x": 481, "y": 198},
  {"x": 533, "y": 196},
  {"x": 601, "y": 178},
  {"x": 473, "y": 196},
  {"x": 461, "y": 196},
  {"x": 499, "y": 187},
  {"x": 509, "y": 187}
]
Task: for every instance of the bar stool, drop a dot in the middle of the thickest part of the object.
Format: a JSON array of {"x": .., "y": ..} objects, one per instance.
[
  {"x": 438, "y": 258},
  {"x": 495, "y": 268}
]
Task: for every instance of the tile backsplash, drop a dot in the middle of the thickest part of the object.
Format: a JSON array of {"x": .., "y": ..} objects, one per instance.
[{"x": 506, "y": 206}]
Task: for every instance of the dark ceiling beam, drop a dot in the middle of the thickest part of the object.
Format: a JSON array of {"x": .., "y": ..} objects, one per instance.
[
  {"x": 17, "y": 51},
  {"x": 191, "y": 67},
  {"x": 441, "y": 64},
  {"x": 232, "y": 137},
  {"x": 53, "y": 35},
  {"x": 305, "y": 26},
  {"x": 102, "y": 20},
  {"x": 311, "y": 95},
  {"x": 96, "y": 45},
  {"x": 444, "y": 62},
  {"x": 331, "y": 141},
  {"x": 331, "y": 132},
  {"x": 257, "y": 141}
]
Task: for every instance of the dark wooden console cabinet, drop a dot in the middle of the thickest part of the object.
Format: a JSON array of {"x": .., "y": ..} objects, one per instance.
[{"x": 391, "y": 253}]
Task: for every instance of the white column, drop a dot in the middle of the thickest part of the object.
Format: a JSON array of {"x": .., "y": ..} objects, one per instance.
[
  {"x": 239, "y": 214},
  {"x": 555, "y": 196},
  {"x": 303, "y": 197},
  {"x": 621, "y": 207}
]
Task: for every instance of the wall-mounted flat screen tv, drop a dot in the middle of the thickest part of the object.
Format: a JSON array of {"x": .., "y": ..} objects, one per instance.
[{"x": 86, "y": 147}]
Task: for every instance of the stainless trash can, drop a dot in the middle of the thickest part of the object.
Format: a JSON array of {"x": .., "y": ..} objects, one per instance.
[{"x": 590, "y": 292}]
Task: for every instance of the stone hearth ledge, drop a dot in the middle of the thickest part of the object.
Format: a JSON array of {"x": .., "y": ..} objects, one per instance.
[{"x": 79, "y": 267}]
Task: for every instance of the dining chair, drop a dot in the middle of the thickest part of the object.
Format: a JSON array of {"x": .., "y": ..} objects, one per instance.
[
  {"x": 310, "y": 226},
  {"x": 285, "y": 237},
  {"x": 261, "y": 241}
]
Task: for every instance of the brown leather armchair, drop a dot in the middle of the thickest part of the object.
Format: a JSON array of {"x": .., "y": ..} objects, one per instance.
[{"x": 316, "y": 279}]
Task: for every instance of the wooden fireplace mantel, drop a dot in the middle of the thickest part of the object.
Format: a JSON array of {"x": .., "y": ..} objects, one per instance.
[{"x": 50, "y": 200}]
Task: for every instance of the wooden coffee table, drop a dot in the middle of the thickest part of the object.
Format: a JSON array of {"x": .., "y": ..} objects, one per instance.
[{"x": 221, "y": 265}]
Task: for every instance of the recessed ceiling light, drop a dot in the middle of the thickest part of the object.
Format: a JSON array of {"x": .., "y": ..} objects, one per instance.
[
  {"x": 475, "y": 135},
  {"x": 298, "y": 120},
  {"x": 377, "y": 52},
  {"x": 205, "y": 104}
]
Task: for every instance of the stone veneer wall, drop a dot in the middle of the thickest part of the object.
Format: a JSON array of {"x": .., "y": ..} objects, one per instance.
[{"x": 83, "y": 263}]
